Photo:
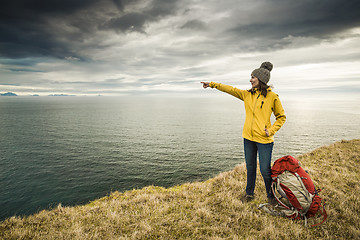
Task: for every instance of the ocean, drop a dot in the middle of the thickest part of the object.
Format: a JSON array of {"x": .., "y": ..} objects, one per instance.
[{"x": 72, "y": 150}]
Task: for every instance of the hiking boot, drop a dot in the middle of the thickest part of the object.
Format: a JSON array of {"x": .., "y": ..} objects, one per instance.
[
  {"x": 272, "y": 201},
  {"x": 247, "y": 198}
]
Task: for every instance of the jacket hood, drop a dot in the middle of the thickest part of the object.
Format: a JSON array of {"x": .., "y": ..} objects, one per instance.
[{"x": 268, "y": 90}]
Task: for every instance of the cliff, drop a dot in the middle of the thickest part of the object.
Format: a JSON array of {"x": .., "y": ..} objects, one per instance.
[{"x": 208, "y": 210}]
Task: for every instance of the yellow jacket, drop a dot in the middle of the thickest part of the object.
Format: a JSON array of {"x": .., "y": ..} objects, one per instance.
[{"x": 258, "y": 111}]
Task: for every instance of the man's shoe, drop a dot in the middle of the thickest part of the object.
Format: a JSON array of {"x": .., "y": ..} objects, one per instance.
[
  {"x": 272, "y": 201},
  {"x": 247, "y": 198}
]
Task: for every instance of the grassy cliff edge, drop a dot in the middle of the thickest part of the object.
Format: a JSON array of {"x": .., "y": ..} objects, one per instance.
[{"x": 207, "y": 210}]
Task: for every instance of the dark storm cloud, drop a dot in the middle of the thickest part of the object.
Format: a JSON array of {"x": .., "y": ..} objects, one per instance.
[
  {"x": 57, "y": 28},
  {"x": 162, "y": 8},
  {"x": 119, "y": 4},
  {"x": 19, "y": 62},
  {"x": 68, "y": 29},
  {"x": 194, "y": 25},
  {"x": 128, "y": 22},
  {"x": 136, "y": 21},
  {"x": 23, "y": 70},
  {"x": 277, "y": 19},
  {"x": 25, "y": 31}
]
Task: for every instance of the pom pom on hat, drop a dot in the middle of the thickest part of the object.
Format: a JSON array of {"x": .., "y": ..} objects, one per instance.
[
  {"x": 263, "y": 73},
  {"x": 267, "y": 65}
]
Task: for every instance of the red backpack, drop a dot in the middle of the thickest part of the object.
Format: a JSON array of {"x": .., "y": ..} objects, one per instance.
[{"x": 295, "y": 191}]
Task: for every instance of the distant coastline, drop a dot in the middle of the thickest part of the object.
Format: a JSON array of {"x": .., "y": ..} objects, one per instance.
[
  {"x": 8, "y": 94},
  {"x": 61, "y": 95},
  {"x": 11, "y": 94}
]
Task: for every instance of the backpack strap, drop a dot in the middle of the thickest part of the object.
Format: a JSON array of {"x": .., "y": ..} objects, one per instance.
[
  {"x": 323, "y": 213},
  {"x": 273, "y": 188},
  {"x": 270, "y": 211}
]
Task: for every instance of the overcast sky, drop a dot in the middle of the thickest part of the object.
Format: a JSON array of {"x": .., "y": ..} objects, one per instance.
[{"x": 115, "y": 47}]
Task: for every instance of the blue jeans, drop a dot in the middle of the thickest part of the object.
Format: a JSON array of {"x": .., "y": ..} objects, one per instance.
[{"x": 265, "y": 150}]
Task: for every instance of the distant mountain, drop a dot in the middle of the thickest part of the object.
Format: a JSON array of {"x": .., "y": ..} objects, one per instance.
[
  {"x": 8, "y": 94},
  {"x": 61, "y": 95}
]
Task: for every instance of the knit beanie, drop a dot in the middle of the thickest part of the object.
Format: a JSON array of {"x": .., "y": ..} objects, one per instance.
[{"x": 263, "y": 73}]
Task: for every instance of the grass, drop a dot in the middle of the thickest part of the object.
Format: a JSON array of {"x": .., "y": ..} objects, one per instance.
[{"x": 207, "y": 210}]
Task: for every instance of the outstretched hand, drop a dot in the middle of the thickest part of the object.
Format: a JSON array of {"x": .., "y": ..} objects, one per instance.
[{"x": 205, "y": 84}]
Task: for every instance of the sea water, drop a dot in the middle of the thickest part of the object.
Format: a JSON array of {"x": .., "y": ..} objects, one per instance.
[{"x": 72, "y": 150}]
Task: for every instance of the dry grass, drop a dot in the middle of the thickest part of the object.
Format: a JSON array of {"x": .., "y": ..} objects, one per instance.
[{"x": 207, "y": 210}]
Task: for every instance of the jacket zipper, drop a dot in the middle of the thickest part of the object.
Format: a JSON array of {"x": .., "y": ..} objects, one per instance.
[{"x": 262, "y": 102}]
